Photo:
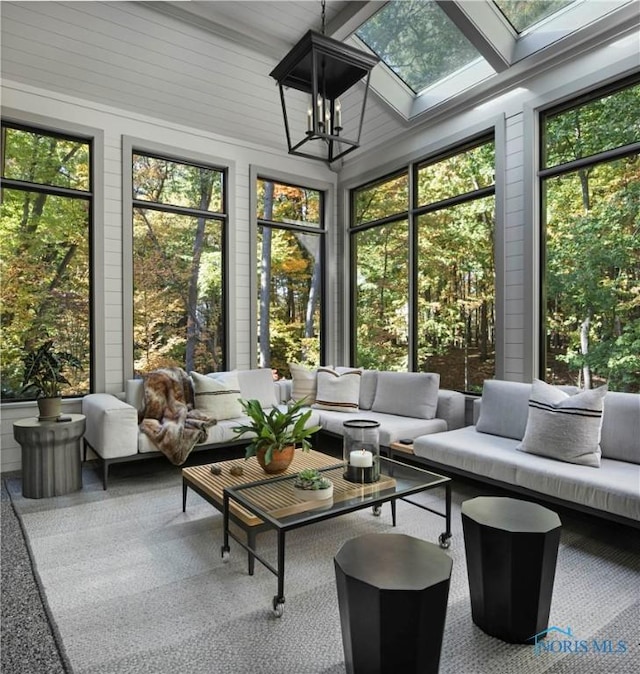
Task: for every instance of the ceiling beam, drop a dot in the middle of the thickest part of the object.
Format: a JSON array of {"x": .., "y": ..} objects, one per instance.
[{"x": 486, "y": 29}]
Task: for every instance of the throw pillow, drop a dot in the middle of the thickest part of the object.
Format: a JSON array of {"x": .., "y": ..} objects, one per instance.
[
  {"x": 218, "y": 394},
  {"x": 562, "y": 426},
  {"x": 303, "y": 383},
  {"x": 337, "y": 391},
  {"x": 408, "y": 394}
]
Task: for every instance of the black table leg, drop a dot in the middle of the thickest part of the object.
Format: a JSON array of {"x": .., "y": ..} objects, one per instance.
[
  {"x": 278, "y": 600},
  {"x": 184, "y": 495}
]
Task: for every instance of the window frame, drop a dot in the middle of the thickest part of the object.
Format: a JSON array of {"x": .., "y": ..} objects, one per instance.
[
  {"x": 544, "y": 173},
  {"x": 321, "y": 230},
  {"x": 131, "y": 146},
  {"x": 36, "y": 123},
  {"x": 412, "y": 214}
]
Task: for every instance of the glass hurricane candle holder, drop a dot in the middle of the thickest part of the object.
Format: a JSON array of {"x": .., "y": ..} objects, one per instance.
[{"x": 361, "y": 450}]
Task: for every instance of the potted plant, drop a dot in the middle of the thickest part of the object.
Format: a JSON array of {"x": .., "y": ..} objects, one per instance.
[
  {"x": 276, "y": 433},
  {"x": 311, "y": 485},
  {"x": 43, "y": 375}
]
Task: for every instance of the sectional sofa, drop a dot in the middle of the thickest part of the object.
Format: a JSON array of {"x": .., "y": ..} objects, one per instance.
[
  {"x": 605, "y": 482},
  {"x": 405, "y": 404}
]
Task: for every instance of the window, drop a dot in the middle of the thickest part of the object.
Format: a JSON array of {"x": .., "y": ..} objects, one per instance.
[
  {"x": 380, "y": 280},
  {"x": 590, "y": 187},
  {"x": 179, "y": 232},
  {"x": 456, "y": 278},
  {"x": 45, "y": 251},
  {"x": 442, "y": 249},
  {"x": 291, "y": 234}
]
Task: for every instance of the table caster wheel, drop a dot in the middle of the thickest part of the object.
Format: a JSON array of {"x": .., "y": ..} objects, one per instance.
[
  {"x": 225, "y": 554},
  {"x": 278, "y": 606},
  {"x": 376, "y": 510},
  {"x": 445, "y": 541}
]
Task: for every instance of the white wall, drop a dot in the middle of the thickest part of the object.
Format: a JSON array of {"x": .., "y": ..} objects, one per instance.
[{"x": 21, "y": 101}]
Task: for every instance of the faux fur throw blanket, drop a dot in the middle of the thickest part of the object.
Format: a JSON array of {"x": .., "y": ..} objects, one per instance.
[{"x": 169, "y": 418}]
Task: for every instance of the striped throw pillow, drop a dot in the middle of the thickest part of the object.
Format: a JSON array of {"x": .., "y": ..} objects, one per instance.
[
  {"x": 338, "y": 391},
  {"x": 562, "y": 426},
  {"x": 218, "y": 394}
]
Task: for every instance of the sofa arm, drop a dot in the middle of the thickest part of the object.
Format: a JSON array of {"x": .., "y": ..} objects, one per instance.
[
  {"x": 451, "y": 408},
  {"x": 112, "y": 425},
  {"x": 283, "y": 390}
]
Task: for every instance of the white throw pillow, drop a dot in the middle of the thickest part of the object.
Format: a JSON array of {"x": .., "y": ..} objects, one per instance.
[
  {"x": 218, "y": 394},
  {"x": 562, "y": 426},
  {"x": 338, "y": 391},
  {"x": 408, "y": 394},
  {"x": 303, "y": 383}
]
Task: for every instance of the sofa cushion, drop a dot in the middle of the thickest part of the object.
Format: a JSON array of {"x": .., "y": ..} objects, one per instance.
[
  {"x": 258, "y": 384},
  {"x": 408, "y": 394},
  {"x": 218, "y": 394},
  {"x": 368, "y": 383},
  {"x": 468, "y": 450},
  {"x": 505, "y": 408},
  {"x": 338, "y": 391},
  {"x": 304, "y": 383},
  {"x": 392, "y": 426},
  {"x": 563, "y": 426},
  {"x": 620, "y": 436}
]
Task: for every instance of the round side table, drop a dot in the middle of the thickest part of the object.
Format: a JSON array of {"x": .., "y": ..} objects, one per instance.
[{"x": 51, "y": 463}]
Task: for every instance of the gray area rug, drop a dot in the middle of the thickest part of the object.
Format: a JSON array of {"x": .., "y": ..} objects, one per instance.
[{"x": 135, "y": 585}]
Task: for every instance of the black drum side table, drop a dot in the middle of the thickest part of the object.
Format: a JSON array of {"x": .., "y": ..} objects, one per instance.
[
  {"x": 511, "y": 548},
  {"x": 392, "y": 595},
  {"x": 51, "y": 463}
]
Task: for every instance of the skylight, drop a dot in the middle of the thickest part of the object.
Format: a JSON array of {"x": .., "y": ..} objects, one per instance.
[
  {"x": 418, "y": 41},
  {"x": 523, "y": 15},
  {"x": 435, "y": 53}
]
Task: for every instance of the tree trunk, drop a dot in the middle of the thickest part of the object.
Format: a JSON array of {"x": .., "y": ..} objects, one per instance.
[
  {"x": 584, "y": 347},
  {"x": 194, "y": 327}
]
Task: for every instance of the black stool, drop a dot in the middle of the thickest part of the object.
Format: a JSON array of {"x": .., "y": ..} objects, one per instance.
[
  {"x": 392, "y": 595},
  {"x": 511, "y": 547}
]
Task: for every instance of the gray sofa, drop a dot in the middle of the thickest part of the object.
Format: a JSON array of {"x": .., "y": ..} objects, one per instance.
[
  {"x": 112, "y": 424},
  {"x": 487, "y": 451}
]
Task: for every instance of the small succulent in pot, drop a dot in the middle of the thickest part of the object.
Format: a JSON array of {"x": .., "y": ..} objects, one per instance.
[{"x": 311, "y": 479}]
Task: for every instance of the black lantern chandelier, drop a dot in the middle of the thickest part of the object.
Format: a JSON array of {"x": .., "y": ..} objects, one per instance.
[{"x": 318, "y": 71}]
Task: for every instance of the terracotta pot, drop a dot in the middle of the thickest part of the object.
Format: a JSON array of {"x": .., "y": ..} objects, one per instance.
[
  {"x": 280, "y": 460},
  {"x": 49, "y": 408}
]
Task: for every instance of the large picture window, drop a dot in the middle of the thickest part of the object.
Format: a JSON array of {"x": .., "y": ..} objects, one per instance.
[
  {"x": 590, "y": 186},
  {"x": 45, "y": 251},
  {"x": 289, "y": 275},
  {"x": 423, "y": 280},
  {"x": 179, "y": 224}
]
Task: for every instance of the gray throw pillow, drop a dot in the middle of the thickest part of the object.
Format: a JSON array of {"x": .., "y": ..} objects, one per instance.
[
  {"x": 504, "y": 408},
  {"x": 408, "y": 394},
  {"x": 564, "y": 427}
]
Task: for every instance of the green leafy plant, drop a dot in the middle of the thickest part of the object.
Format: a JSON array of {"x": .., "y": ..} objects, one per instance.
[
  {"x": 43, "y": 370},
  {"x": 311, "y": 479},
  {"x": 276, "y": 429}
]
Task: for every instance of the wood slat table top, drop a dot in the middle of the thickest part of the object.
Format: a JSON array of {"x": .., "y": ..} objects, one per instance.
[{"x": 214, "y": 485}]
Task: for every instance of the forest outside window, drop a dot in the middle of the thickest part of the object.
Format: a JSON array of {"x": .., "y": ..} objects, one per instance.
[
  {"x": 179, "y": 231},
  {"x": 590, "y": 186},
  {"x": 291, "y": 232},
  {"x": 442, "y": 248},
  {"x": 45, "y": 251}
]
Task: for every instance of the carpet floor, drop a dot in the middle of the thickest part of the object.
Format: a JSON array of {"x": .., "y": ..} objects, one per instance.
[{"x": 132, "y": 584}]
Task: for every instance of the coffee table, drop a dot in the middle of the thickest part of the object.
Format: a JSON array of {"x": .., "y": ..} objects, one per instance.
[
  {"x": 274, "y": 503},
  {"x": 211, "y": 487}
]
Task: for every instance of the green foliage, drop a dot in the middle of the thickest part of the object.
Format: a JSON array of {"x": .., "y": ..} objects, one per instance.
[
  {"x": 43, "y": 370},
  {"x": 44, "y": 253},
  {"x": 311, "y": 479},
  {"x": 273, "y": 430}
]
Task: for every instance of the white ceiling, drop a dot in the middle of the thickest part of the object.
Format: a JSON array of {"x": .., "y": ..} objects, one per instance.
[{"x": 206, "y": 65}]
